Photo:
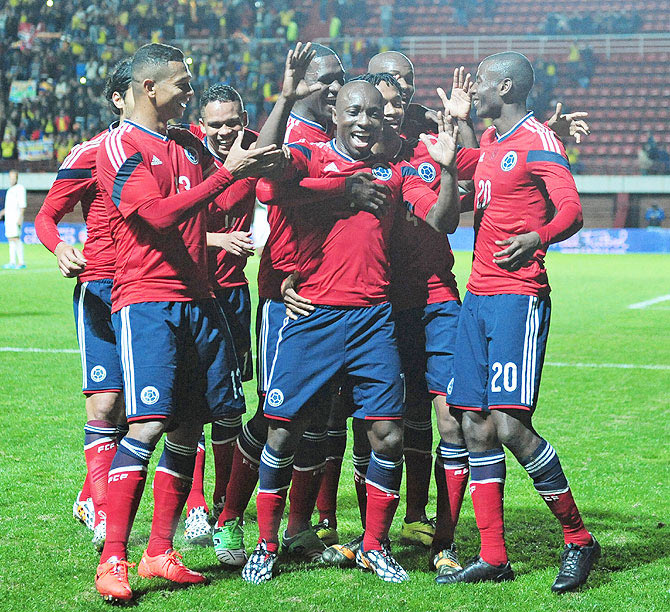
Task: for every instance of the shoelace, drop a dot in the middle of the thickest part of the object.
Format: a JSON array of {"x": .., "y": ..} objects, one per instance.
[
  {"x": 570, "y": 559},
  {"x": 120, "y": 569},
  {"x": 175, "y": 558},
  {"x": 386, "y": 553}
]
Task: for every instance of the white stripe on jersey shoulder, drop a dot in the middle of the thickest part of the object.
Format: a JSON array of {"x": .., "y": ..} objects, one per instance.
[
  {"x": 114, "y": 145},
  {"x": 313, "y": 124},
  {"x": 509, "y": 132},
  {"x": 546, "y": 134},
  {"x": 79, "y": 149}
]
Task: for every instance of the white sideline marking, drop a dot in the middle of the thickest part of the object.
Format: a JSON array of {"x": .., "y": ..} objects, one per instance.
[
  {"x": 622, "y": 366},
  {"x": 16, "y": 349},
  {"x": 656, "y": 300}
]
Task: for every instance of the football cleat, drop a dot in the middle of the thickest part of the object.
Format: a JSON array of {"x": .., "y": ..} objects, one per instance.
[
  {"x": 197, "y": 529},
  {"x": 446, "y": 561},
  {"x": 382, "y": 563},
  {"x": 258, "y": 568},
  {"x": 576, "y": 563},
  {"x": 111, "y": 580},
  {"x": 327, "y": 534},
  {"x": 83, "y": 511},
  {"x": 168, "y": 565},
  {"x": 343, "y": 555},
  {"x": 100, "y": 535},
  {"x": 229, "y": 543},
  {"x": 304, "y": 544},
  {"x": 418, "y": 532},
  {"x": 478, "y": 570}
]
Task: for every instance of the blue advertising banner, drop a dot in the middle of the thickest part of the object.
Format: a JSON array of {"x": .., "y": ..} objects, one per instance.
[{"x": 72, "y": 233}]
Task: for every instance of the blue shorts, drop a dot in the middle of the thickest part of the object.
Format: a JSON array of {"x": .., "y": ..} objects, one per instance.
[
  {"x": 236, "y": 305},
  {"x": 357, "y": 342},
  {"x": 270, "y": 317},
  {"x": 440, "y": 322},
  {"x": 100, "y": 363},
  {"x": 178, "y": 362},
  {"x": 500, "y": 346},
  {"x": 411, "y": 337}
]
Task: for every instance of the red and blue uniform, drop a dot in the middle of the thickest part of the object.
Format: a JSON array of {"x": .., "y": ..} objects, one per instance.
[
  {"x": 522, "y": 184},
  {"x": 76, "y": 182},
  {"x": 174, "y": 342}
]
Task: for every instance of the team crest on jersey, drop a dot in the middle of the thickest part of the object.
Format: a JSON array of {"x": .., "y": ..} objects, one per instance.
[
  {"x": 191, "y": 155},
  {"x": 275, "y": 398},
  {"x": 383, "y": 173},
  {"x": 509, "y": 161},
  {"x": 149, "y": 396},
  {"x": 98, "y": 374},
  {"x": 427, "y": 172}
]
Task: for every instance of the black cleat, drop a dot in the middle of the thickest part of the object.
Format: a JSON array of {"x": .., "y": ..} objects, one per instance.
[
  {"x": 478, "y": 570},
  {"x": 576, "y": 564}
]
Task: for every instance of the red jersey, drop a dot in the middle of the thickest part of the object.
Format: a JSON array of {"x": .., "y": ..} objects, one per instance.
[
  {"x": 278, "y": 256},
  {"x": 76, "y": 182},
  {"x": 421, "y": 258},
  {"x": 137, "y": 166},
  {"x": 523, "y": 184},
  {"x": 345, "y": 262},
  {"x": 227, "y": 270}
]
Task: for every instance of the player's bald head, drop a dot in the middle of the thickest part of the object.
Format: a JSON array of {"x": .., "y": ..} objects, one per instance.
[
  {"x": 358, "y": 92},
  {"x": 325, "y": 59},
  {"x": 513, "y": 67},
  {"x": 390, "y": 61},
  {"x": 152, "y": 61}
]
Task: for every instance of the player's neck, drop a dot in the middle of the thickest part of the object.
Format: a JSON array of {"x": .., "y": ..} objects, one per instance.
[
  {"x": 148, "y": 118},
  {"x": 510, "y": 115},
  {"x": 302, "y": 110}
]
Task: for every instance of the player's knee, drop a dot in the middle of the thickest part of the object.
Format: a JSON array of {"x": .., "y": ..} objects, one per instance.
[
  {"x": 515, "y": 433},
  {"x": 478, "y": 431},
  {"x": 148, "y": 432},
  {"x": 386, "y": 438},
  {"x": 103, "y": 407}
]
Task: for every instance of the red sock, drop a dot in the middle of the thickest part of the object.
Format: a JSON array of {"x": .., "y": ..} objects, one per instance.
[
  {"x": 196, "y": 498},
  {"x": 444, "y": 526},
  {"x": 305, "y": 485},
  {"x": 270, "y": 508},
  {"x": 381, "y": 509},
  {"x": 85, "y": 492},
  {"x": 457, "y": 481},
  {"x": 124, "y": 492},
  {"x": 419, "y": 467},
  {"x": 223, "y": 463},
  {"x": 487, "y": 499},
  {"x": 361, "y": 495},
  {"x": 99, "y": 457},
  {"x": 565, "y": 510},
  {"x": 326, "y": 502},
  {"x": 170, "y": 493},
  {"x": 241, "y": 485}
]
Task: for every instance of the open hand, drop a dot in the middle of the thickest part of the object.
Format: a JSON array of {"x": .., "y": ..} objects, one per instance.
[
  {"x": 460, "y": 102},
  {"x": 297, "y": 61},
  {"x": 571, "y": 124},
  {"x": 443, "y": 150}
]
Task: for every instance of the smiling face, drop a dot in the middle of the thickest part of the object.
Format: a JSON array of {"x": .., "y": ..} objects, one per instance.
[
  {"x": 173, "y": 91},
  {"x": 394, "y": 112},
  {"x": 222, "y": 121},
  {"x": 485, "y": 92},
  {"x": 359, "y": 114},
  {"x": 328, "y": 71}
]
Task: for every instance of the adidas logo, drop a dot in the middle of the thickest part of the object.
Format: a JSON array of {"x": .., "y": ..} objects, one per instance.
[
  {"x": 156, "y": 162},
  {"x": 331, "y": 167}
]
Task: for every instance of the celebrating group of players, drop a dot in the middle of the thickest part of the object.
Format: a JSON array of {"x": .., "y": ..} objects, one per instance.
[{"x": 359, "y": 313}]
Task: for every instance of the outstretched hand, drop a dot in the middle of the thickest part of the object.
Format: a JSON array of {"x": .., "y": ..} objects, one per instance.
[
  {"x": 297, "y": 61},
  {"x": 443, "y": 150},
  {"x": 257, "y": 162},
  {"x": 458, "y": 105},
  {"x": 570, "y": 124}
]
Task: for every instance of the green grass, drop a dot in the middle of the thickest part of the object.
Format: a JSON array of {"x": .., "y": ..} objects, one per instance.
[{"x": 609, "y": 425}]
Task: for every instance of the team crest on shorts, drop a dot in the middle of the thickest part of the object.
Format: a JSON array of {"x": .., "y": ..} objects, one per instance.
[
  {"x": 98, "y": 374},
  {"x": 427, "y": 172},
  {"x": 149, "y": 396},
  {"x": 450, "y": 386},
  {"x": 383, "y": 173},
  {"x": 509, "y": 161},
  {"x": 275, "y": 398},
  {"x": 191, "y": 155}
]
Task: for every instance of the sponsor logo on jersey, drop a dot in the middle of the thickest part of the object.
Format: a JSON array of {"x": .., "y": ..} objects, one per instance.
[
  {"x": 427, "y": 172},
  {"x": 156, "y": 162},
  {"x": 275, "y": 398},
  {"x": 509, "y": 161},
  {"x": 98, "y": 374},
  {"x": 149, "y": 396},
  {"x": 382, "y": 173},
  {"x": 191, "y": 155}
]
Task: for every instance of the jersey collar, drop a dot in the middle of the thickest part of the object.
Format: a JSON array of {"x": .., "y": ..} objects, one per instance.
[
  {"x": 205, "y": 141},
  {"x": 313, "y": 124},
  {"x": 509, "y": 132},
  {"x": 113, "y": 125},
  {"x": 341, "y": 153},
  {"x": 147, "y": 130}
]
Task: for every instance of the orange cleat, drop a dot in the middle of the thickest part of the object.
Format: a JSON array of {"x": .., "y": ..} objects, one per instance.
[
  {"x": 170, "y": 566},
  {"x": 111, "y": 580}
]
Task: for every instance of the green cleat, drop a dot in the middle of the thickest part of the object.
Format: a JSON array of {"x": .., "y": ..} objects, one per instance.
[
  {"x": 418, "y": 532},
  {"x": 327, "y": 534},
  {"x": 229, "y": 543}
]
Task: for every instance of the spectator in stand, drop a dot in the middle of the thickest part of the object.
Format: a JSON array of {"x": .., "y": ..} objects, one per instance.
[{"x": 654, "y": 216}]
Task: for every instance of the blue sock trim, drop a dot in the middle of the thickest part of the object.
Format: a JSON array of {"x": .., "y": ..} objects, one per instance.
[
  {"x": 488, "y": 466},
  {"x": 453, "y": 456},
  {"x": 311, "y": 452},
  {"x": 385, "y": 473},
  {"x": 544, "y": 467},
  {"x": 274, "y": 472}
]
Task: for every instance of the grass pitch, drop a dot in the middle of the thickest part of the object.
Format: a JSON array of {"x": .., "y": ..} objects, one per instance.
[{"x": 603, "y": 411}]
